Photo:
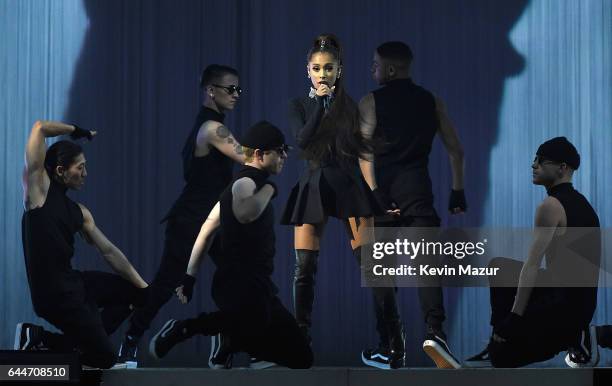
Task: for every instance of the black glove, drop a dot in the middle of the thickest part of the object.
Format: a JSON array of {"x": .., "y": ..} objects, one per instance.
[
  {"x": 81, "y": 133},
  {"x": 273, "y": 185},
  {"x": 457, "y": 200},
  {"x": 188, "y": 283},
  {"x": 511, "y": 327},
  {"x": 383, "y": 199}
]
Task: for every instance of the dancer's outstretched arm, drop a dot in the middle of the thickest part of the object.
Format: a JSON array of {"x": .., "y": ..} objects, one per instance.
[
  {"x": 200, "y": 248},
  {"x": 204, "y": 240},
  {"x": 113, "y": 255}
]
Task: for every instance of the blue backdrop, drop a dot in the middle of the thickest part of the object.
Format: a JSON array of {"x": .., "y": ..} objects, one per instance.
[{"x": 512, "y": 73}]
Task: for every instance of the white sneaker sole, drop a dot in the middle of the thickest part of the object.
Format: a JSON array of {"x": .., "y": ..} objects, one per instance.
[
  {"x": 439, "y": 355},
  {"x": 131, "y": 364}
]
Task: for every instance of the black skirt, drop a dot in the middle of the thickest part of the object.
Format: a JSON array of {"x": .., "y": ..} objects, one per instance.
[{"x": 329, "y": 191}]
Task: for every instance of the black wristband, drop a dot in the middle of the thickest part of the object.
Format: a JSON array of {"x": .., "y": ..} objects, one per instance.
[
  {"x": 81, "y": 133},
  {"x": 457, "y": 200}
]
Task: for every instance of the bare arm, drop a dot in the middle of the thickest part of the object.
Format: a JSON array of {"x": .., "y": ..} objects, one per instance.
[
  {"x": 204, "y": 240},
  {"x": 247, "y": 204},
  {"x": 115, "y": 258},
  {"x": 547, "y": 218},
  {"x": 36, "y": 181},
  {"x": 219, "y": 136},
  {"x": 448, "y": 135}
]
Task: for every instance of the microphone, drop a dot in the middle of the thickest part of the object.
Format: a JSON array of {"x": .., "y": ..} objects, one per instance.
[{"x": 326, "y": 98}]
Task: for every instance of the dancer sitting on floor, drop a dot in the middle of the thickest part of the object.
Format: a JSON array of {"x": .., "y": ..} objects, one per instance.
[{"x": 533, "y": 321}]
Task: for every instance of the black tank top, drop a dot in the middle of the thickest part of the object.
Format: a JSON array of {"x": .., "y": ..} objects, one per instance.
[
  {"x": 248, "y": 247},
  {"x": 205, "y": 177},
  {"x": 579, "y": 213},
  {"x": 48, "y": 246},
  {"x": 406, "y": 121}
]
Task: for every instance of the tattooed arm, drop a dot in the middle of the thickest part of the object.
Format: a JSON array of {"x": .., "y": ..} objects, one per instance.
[{"x": 217, "y": 135}]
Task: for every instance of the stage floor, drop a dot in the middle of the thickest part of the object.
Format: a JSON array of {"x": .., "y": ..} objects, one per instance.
[{"x": 342, "y": 376}]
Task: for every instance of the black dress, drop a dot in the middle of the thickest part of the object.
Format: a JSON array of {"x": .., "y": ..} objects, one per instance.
[{"x": 325, "y": 188}]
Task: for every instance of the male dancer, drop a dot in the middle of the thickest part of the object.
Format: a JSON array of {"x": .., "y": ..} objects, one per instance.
[
  {"x": 250, "y": 313},
  {"x": 207, "y": 168},
  {"x": 533, "y": 322},
  {"x": 407, "y": 117},
  {"x": 66, "y": 298}
]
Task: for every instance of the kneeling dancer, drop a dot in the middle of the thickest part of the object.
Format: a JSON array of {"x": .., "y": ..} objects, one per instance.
[{"x": 250, "y": 313}]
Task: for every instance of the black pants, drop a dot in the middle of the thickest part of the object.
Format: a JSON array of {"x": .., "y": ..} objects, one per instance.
[
  {"x": 180, "y": 236},
  {"x": 84, "y": 327},
  {"x": 430, "y": 294},
  {"x": 550, "y": 322},
  {"x": 255, "y": 320}
]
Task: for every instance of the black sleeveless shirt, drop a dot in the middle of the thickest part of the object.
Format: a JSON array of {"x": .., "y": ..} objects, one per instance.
[
  {"x": 586, "y": 261},
  {"x": 407, "y": 123},
  {"x": 248, "y": 247},
  {"x": 205, "y": 177},
  {"x": 48, "y": 246}
]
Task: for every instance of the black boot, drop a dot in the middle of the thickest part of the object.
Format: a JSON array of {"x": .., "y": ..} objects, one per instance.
[{"x": 303, "y": 288}]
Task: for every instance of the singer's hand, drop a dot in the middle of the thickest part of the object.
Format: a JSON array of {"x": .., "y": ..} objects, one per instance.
[{"x": 324, "y": 90}]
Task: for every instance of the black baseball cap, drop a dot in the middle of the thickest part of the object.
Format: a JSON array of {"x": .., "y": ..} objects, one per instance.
[{"x": 263, "y": 135}]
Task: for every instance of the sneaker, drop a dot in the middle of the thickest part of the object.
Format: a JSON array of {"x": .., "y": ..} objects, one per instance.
[
  {"x": 171, "y": 334},
  {"x": 436, "y": 347},
  {"x": 479, "y": 360},
  {"x": 128, "y": 352},
  {"x": 586, "y": 353},
  {"x": 378, "y": 358},
  {"x": 28, "y": 337},
  {"x": 221, "y": 355},
  {"x": 257, "y": 364}
]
